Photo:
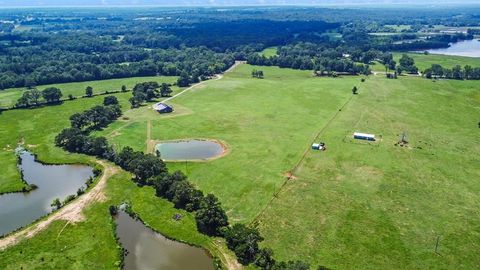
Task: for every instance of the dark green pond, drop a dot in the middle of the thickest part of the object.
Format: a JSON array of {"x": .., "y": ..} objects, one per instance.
[
  {"x": 53, "y": 181},
  {"x": 148, "y": 250},
  {"x": 189, "y": 150}
]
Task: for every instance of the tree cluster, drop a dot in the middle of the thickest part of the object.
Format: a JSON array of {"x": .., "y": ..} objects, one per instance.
[
  {"x": 96, "y": 117},
  {"x": 457, "y": 73},
  {"x": 34, "y": 97},
  {"x": 257, "y": 74},
  {"x": 244, "y": 242},
  {"x": 309, "y": 56},
  {"x": 142, "y": 92},
  {"x": 407, "y": 64}
]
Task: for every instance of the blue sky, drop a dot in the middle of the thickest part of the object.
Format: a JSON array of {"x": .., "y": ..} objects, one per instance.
[{"x": 4, "y": 3}]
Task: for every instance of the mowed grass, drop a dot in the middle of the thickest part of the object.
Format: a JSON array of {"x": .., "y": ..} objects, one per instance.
[
  {"x": 266, "y": 124},
  {"x": 9, "y": 97},
  {"x": 380, "y": 206}
]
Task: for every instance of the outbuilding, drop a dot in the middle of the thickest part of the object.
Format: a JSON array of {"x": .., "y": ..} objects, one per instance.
[
  {"x": 364, "y": 136},
  {"x": 319, "y": 146},
  {"x": 163, "y": 108}
]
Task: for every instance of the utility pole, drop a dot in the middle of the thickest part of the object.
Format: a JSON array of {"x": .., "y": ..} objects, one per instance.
[{"x": 436, "y": 244}]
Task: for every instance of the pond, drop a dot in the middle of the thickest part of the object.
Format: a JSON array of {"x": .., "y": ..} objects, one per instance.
[
  {"x": 470, "y": 48},
  {"x": 190, "y": 150},
  {"x": 53, "y": 181},
  {"x": 147, "y": 249}
]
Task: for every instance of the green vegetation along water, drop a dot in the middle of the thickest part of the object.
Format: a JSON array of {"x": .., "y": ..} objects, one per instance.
[
  {"x": 147, "y": 249},
  {"x": 53, "y": 181}
]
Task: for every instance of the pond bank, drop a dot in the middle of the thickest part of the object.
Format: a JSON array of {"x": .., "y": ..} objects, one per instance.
[
  {"x": 147, "y": 249},
  {"x": 18, "y": 210}
]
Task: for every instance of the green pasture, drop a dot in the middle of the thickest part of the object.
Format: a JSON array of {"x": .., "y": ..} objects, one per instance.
[
  {"x": 37, "y": 127},
  {"x": 379, "y": 206},
  {"x": 424, "y": 61},
  {"x": 266, "y": 123},
  {"x": 269, "y": 52},
  {"x": 9, "y": 97},
  {"x": 357, "y": 205}
]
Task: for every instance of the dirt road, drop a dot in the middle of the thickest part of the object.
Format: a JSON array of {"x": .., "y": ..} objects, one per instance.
[{"x": 72, "y": 212}]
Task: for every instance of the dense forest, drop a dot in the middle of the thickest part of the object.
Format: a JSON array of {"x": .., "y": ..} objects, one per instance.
[{"x": 69, "y": 45}]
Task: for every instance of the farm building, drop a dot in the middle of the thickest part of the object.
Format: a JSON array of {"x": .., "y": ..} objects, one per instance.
[
  {"x": 163, "y": 108},
  {"x": 319, "y": 146},
  {"x": 363, "y": 136}
]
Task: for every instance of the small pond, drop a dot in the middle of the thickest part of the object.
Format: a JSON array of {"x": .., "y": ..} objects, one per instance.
[
  {"x": 470, "y": 48},
  {"x": 190, "y": 150},
  {"x": 147, "y": 249},
  {"x": 53, "y": 181}
]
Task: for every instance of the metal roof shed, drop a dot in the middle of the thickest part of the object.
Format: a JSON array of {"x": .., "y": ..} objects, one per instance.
[{"x": 364, "y": 136}]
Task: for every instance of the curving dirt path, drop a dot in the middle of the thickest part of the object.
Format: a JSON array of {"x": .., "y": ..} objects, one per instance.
[
  {"x": 72, "y": 212},
  {"x": 150, "y": 144},
  {"x": 226, "y": 258},
  {"x": 217, "y": 77}
]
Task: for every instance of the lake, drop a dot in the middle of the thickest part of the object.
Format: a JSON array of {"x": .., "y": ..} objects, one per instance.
[
  {"x": 190, "y": 150},
  {"x": 470, "y": 48},
  {"x": 147, "y": 249},
  {"x": 53, "y": 181}
]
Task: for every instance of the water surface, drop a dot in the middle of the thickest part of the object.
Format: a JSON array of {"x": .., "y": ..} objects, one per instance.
[
  {"x": 53, "y": 181},
  {"x": 470, "y": 48},
  {"x": 189, "y": 150},
  {"x": 148, "y": 250}
]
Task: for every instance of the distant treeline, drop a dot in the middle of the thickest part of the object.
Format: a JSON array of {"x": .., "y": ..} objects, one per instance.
[
  {"x": 309, "y": 56},
  {"x": 456, "y": 73},
  {"x": 199, "y": 43},
  {"x": 83, "y": 57}
]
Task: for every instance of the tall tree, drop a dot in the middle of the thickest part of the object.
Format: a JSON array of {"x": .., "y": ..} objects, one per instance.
[
  {"x": 165, "y": 90},
  {"x": 35, "y": 95},
  {"x": 89, "y": 91},
  {"x": 211, "y": 218},
  {"x": 52, "y": 94}
]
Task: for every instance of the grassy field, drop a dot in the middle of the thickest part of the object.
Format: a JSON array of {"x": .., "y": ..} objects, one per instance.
[
  {"x": 38, "y": 127},
  {"x": 269, "y": 52},
  {"x": 266, "y": 124},
  {"x": 380, "y": 206},
  {"x": 9, "y": 97},
  {"x": 423, "y": 61},
  {"x": 354, "y": 206}
]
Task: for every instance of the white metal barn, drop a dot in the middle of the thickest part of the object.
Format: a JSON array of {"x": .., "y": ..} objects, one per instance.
[{"x": 364, "y": 136}]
